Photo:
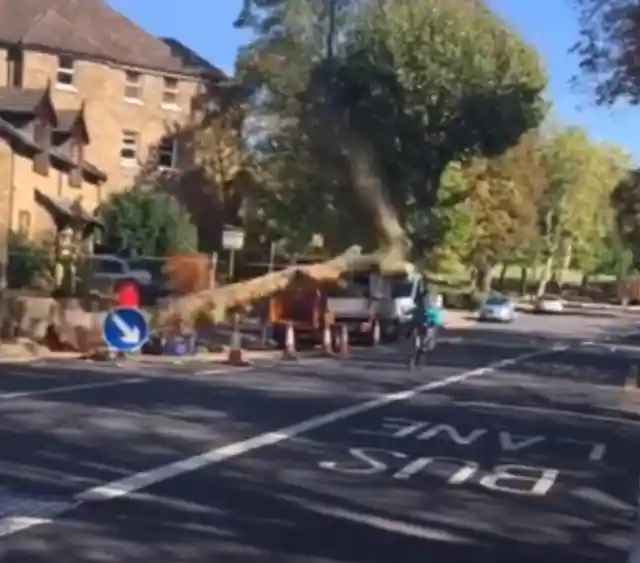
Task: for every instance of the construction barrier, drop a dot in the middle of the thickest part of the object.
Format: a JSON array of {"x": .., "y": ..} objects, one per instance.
[
  {"x": 327, "y": 341},
  {"x": 235, "y": 357},
  {"x": 289, "y": 352}
]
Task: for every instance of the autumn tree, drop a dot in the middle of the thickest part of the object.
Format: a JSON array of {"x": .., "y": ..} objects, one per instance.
[
  {"x": 224, "y": 173},
  {"x": 503, "y": 196}
]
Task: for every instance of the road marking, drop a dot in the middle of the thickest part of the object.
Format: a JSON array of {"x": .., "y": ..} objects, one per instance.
[
  {"x": 634, "y": 552},
  {"x": 545, "y": 410},
  {"x": 374, "y": 521},
  {"x": 223, "y": 370},
  {"x": 70, "y": 388},
  {"x": 133, "y": 483}
]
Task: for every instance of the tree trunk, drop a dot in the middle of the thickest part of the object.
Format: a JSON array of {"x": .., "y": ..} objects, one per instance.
[
  {"x": 546, "y": 275},
  {"x": 524, "y": 273},
  {"x": 565, "y": 263},
  {"x": 217, "y": 303},
  {"x": 483, "y": 279},
  {"x": 584, "y": 282},
  {"x": 503, "y": 274}
]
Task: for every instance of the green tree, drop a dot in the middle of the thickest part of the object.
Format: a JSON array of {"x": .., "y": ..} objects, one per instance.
[
  {"x": 626, "y": 202},
  {"x": 30, "y": 263},
  {"x": 575, "y": 208},
  {"x": 597, "y": 242},
  {"x": 411, "y": 87},
  {"x": 298, "y": 194},
  {"x": 609, "y": 48},
  {"x": 428, "y": 83},
  {"x": 144, "y": 221}
]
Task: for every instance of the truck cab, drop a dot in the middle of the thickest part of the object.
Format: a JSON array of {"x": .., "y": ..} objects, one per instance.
[{"x": 375, "y": 307}]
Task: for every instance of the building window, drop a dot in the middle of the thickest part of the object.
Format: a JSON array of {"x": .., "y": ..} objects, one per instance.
[
  {"x": 129, "y": 148},
  {"x": 133, "y": 86},
  {"x": 168, "y": 153},
  {"x": 170, "y": 92},
  {"x": 24, "y": 223},
  {"x": 66, "y": 71}
]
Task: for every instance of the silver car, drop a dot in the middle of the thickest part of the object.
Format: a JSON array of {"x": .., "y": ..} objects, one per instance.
[
  {"x": 498, "y": 309},
  {"x": 549, "y": 304}
]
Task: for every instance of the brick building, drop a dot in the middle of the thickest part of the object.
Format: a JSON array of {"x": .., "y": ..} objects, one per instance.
[{"x": 87, "y": 101}]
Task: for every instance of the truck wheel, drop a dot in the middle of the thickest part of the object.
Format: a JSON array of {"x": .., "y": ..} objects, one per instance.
[
  {"x": 374, "y": 334},
  {"x": 394, "y": 333},
  {"x": 335, "y": 338},
  {"x": 279, "y": 335}
]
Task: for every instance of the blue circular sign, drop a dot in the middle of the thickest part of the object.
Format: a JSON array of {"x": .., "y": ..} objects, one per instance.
[{"x": 125, "y": 329}]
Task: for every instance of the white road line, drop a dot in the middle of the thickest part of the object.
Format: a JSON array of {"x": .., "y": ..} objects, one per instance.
[
  {"x": 128, "y": 485},
  {"x": 222, "y": 370},
  {"x": 546, "y": 411},
  {"x": 70, "y": 388}
]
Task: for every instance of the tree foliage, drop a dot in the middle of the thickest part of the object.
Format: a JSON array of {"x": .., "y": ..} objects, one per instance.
[
  {"x": 410, "y": 88},
  {"x": 609, "y": 48},
  {"x": 441, "y": 103},
  {"x": 146, "y": 222},
  {"x": 30, "y": 262},
  {"x": 626, "y": 200}
]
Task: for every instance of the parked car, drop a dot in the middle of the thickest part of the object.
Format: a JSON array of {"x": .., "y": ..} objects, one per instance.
[
  {"x": 498, "y": 308},
  {"x": 549, "y": 304},
  {"x": 100, "y": 271}
]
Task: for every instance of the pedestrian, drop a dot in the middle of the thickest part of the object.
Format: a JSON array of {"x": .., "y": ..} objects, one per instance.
[{"x": 127, "y": 293}]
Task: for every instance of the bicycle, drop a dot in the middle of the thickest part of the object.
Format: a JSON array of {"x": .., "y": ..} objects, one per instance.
[{"x": 424, "y": 340}]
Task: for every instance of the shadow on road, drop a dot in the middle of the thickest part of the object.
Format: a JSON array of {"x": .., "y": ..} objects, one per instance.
[{"x": 277, "y": 507}]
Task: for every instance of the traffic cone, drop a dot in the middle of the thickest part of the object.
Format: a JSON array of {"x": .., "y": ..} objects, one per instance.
[
  {"x": 327, "y": 341},
  {"x": 289, "y": 352},
  {"x": 344, "y": 340},
  {"x": 235, "y": 357}
]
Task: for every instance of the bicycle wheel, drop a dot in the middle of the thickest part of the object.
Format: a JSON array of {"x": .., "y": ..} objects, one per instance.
[{"x": 415, "y": 347}]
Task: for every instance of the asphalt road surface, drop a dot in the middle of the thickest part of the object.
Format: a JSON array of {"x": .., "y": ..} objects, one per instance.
[{"x": 512, "y": 444}]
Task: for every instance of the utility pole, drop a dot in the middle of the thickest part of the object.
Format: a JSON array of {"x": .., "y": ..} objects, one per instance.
[{"x": 332, "y": 7}]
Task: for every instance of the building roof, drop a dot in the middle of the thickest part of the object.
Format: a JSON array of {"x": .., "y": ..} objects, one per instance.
[
  {"x": 25, "y": 138},
  {"x": 67, "y": 119},
  {"x": 90, "y": 28},
  {"x": 18, "y": 100}
]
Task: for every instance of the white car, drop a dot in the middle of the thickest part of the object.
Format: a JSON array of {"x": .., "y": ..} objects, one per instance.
[
  {"x": 549, "y": 303},
  {"x": 498, "y": 308}
]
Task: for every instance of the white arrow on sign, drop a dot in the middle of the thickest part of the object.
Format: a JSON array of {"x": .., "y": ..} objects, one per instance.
[{"x": 130, "y": 334}]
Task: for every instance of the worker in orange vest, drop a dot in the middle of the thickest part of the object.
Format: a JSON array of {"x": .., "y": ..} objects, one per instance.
[{"x": 127, "y": 293}]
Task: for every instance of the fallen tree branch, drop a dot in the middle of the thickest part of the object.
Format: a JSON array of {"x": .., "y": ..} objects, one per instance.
[{"x": 216, "y": 304}]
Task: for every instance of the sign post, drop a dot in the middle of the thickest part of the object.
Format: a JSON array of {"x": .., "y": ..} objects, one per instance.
[
  {"x": 232, "y": 240},
  {"x": 125, "y": 330}
]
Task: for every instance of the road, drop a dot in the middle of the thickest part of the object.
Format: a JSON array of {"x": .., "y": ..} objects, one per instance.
[{"x": 511, "y": 445}]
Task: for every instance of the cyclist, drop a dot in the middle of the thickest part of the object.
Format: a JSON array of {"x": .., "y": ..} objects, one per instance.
[{"x": 427, "y": 319}]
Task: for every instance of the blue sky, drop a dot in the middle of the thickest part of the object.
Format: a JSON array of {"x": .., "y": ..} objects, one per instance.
[{"x": 549, "y": 25}]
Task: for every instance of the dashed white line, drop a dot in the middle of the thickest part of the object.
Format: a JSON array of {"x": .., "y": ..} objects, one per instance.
[
  {"x": 71, "y": 388},
  {"x": 128, "y": 485}
]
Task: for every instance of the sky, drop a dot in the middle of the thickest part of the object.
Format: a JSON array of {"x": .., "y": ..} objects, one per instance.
[{"x": 549, "y": 25}]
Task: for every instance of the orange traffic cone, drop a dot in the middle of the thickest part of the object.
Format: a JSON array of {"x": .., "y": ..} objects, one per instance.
[
  {"x": 289, "y": 352},
  {"x": 327, "y": 341},
  {"x": 344, "y": 340},
  {"x": 235, "y": 357}
]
